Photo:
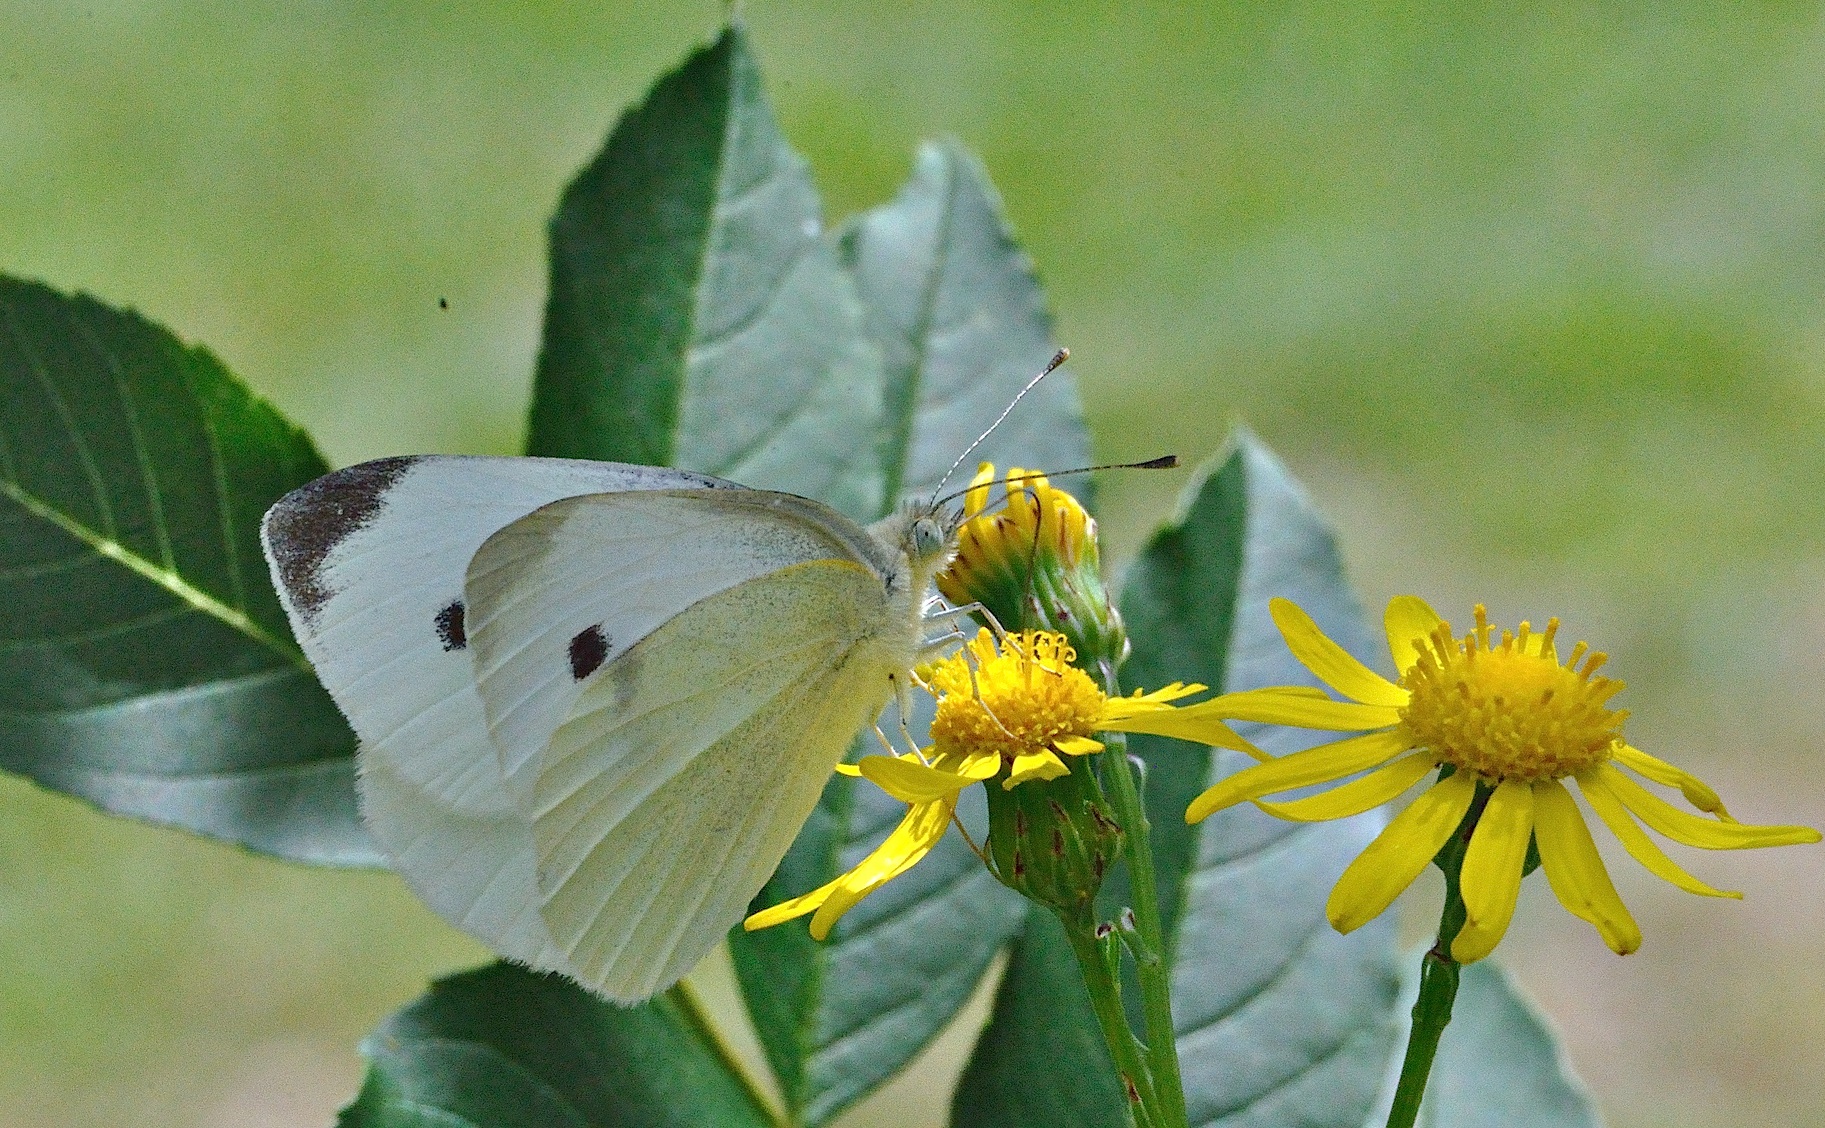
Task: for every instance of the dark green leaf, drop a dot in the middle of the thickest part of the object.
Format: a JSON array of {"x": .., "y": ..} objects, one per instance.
[
  {"x": 954, "y": 305},
  {"x": 147, "y": 666},
  {"x": 961, "y": 323},
  {"x": 697, "y": 318},
  {"x": 1499, "y": 1064},
  {"x": 504, "y": 1048}
]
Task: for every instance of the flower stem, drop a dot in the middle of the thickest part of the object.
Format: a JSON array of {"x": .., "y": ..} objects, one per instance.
[
  {"x": 1150, "y": 966},
  {"x": 1438, "y": 977},
  {"x": 1101, "y": 979},
  {"x": 1150, "y": 969}
]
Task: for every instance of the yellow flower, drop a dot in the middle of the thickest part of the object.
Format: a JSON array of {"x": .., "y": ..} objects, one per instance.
[
  {"x": 1510, "y": 723},
  {"x": 1011, "y": 711}
]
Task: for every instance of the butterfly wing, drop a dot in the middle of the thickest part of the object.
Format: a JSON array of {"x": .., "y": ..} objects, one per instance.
[
  {"x": 668, "y": 674},
  {"x": 568, "y": 589},
  {"x": 688, "y": 764},
  {"x": 370, "y": 563}
]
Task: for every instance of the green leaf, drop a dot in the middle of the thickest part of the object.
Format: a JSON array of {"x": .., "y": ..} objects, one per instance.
[
  {"x": 145, "y": 664},
  {"x": 697, "y": 318},
  {"x": 1499, "y": 1064},
  {"x": 957, "y": 312},
  {"x": 1281, "y": 1021},
  {"x": 502, "y": 1047},
  {"x": 961, "y": 323}
]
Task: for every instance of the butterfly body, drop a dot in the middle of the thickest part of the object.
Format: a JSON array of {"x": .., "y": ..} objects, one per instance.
[{"x": 595, "y": 701}]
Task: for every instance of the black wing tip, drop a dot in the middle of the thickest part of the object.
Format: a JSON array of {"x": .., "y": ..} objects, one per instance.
[{"x": 305, "y": 526}]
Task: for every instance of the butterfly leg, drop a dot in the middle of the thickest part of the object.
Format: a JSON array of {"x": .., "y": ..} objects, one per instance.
[
  {"x": 952, "y": 613},
  {"x": 903, "y": 706}
]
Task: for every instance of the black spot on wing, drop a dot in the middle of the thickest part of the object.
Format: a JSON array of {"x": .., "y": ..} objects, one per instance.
[
  {"x": 587, "y": 650},
  {"x": 450, "y": 628},
  {"x": 307, "y": 524}
]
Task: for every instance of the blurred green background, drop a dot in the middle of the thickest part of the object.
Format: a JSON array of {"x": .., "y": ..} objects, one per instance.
[{"x": 1534, "y": 301}]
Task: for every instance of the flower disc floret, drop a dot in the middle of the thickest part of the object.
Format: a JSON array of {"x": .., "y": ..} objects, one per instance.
[
  {"x": 1015, "y": 700},
  {"x": 1509, "y": 711}
]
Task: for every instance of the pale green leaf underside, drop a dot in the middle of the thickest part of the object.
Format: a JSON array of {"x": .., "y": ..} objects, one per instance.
[
  {"x": 961, "y": 322},
  {"x": 697, "y": 317}
]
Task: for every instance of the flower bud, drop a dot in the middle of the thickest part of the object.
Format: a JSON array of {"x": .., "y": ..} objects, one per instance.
[
  {"x": 1053, "y": 841},
  {"x": 1034, "y": 563}
]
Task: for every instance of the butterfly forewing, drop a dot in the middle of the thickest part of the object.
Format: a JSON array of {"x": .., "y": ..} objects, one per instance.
[{"x": 371, "y": 562}]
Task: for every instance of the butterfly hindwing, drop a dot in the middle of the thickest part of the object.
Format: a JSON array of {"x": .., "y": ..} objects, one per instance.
[
  {"x": 688, "y": 764},
  {"x": 564, "y": 591}
]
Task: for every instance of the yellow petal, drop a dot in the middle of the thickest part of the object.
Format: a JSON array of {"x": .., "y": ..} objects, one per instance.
[
  {"x": 1170, "y": 692},
  {"x": 1322, "y": 764},
  {"x": 1575, "y": 869},
  {"x": 1695, "y": 790},
  {"x": 1357, "y": 796},
  {"x": 976, "y": 498},
  {"x": 788, "y": 910},
  {"x": 1695, "y": 830},
  {"x": 917, "y": 833},
  {"x": 1288, "y": 705},
  {"x": 1201, "y": 723},
  {"x": 909, "y": 781},
  {"x": 1403, "y": 848},
  {"x": 1635, "y": 840},
  {"x": 1077, "y": 745},
  {"x": 1491, "y": 878},
  {"x": 1043, "y": 764},
  {"x": 1331, "y": 662},
  {"x": 849, "y": 770},
  {"x": 1408, "y": 620}
]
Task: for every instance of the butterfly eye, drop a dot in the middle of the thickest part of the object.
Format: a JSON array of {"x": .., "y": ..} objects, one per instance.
[{"x": 927, "y": 538}]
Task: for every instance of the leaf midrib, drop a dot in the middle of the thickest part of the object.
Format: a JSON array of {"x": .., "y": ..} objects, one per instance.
[
  {"x": 901, "y": 448},
  {"x": 166, "y": 578}
]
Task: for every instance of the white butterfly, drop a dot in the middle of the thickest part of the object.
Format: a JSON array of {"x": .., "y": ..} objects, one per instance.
[{"x": 596, "y": 701}]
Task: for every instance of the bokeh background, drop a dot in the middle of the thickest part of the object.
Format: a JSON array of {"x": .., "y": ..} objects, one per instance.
[{"x": 1533, "y": 300}]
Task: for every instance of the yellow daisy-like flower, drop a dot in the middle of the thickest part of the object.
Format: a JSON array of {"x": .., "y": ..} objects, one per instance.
[
  {"x": 1512, "y": 723},
  {"x": 1011, "y": 711}
]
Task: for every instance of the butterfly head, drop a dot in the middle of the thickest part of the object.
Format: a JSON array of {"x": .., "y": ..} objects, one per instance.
[{"x": 931, "y": 534}]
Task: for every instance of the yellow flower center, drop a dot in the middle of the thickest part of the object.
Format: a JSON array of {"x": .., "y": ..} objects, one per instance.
[
  {"x": 1015, "y": 700},
  {"x": 1509, "y": 710}
]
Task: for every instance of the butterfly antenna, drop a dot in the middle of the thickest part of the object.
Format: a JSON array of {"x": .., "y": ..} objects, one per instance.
[
  {"x": 1058, "y": 358},
  {"x": 1163, "y": 462}
]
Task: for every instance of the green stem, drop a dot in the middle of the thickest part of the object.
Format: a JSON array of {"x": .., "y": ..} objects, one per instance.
[
  {"x": 1153, "y": 974},
  {"x": 1100, "y": 979},
  {"x": 1155, "y": 980},
  {"x": 1438, "y": 977}
]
